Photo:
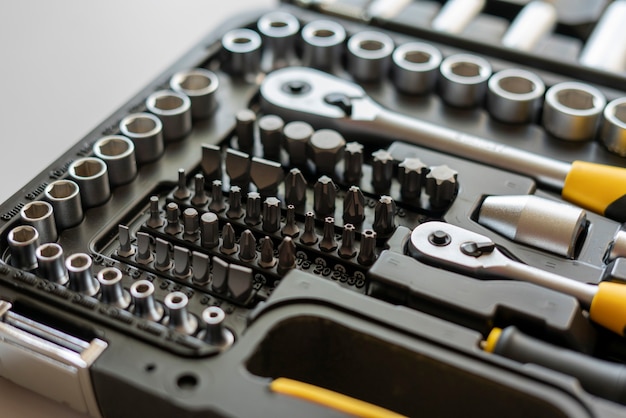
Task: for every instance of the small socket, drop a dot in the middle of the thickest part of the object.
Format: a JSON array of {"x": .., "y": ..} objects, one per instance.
[
  {"x": 174, "y": 111},
  {"x": 146, "y": 132},
  {"x": 91, "y": 176},
  {"x": 200, "y": 86},
  {"x": 64, "y": 196},
  {"x": 118, "y": 152},
  {"x": 40, "y": 215}
]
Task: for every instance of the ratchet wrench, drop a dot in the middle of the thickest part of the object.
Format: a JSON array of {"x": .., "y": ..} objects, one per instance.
[
  {"x": 327, "y": 101},
  {"x": 466, "y": 252}
]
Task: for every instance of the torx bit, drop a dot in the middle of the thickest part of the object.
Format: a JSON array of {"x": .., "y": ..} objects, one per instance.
[
  {"x": 200, "y": 197},
  {"x": 353, "y": 163},
  {"x": 240, "y": 281},
  {"x": 182, "y": 192},
  {"x": 267, "y": 259},
  {"x": 354, "y": 206},
  {"x": 211, "y": 161},
  {"x": 309, "y": 237},
  {"x": 126, "y": 249},
  {"x": 271, "y": 134},
  {"x": 253, "y": 209},
  {"x": 295, "y": 188},
  {"x": 191, "y": 225},
  {"x": 328, "y": 243},
  {"x": 382, "y": 170},
  {"x": 163, "y": 261},
  {"x": 238, "y": 168},
  {"x": 144, "y": 254},
  {"x": 244, "y": 128},
  {"x": 235, "y": 211},
  {"x": 297, "y": 135},
  {"x": 367, "y": 254},
  {"x": 266, "y": 175},
  {"x": 173, "y": 226},
  {"x": 384, "y": 216},
  {"x": 441, "y": 186},
  {"x": 80, "y": 273},
  {"x": 247, "y": 246},
  {"x": 144, "y": 305},
  {"x": 347, "y": 249},
  {"x": 216, "y": 334},
  {"x": 155, "y": 220},
  {"x": 217, "y": 198},
  {"x": 182, "y": 268},
  {"x": 286, "y": 256},
  {"x": 271, "y": 214},
  {"x": 179, "y": 318},
  {"x": 324, "y": 195},
  {"x": 229, "y": 246},
  {"x": 200, "y": 268},
  {"x": 219, "y": 282},
  {"x": 412, "y": 175},
  {"x": 291, "y": 228},
  {"x": 111, "y": 290},
  {"x": 209, "y": 230}
]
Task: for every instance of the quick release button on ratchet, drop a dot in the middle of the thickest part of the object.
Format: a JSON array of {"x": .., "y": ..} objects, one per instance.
[{"x": 296, "y": 87}]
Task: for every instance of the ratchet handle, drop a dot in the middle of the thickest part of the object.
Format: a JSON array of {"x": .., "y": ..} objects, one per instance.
[
  {"x": 597, "y": 187},
  {"x": 608, "y": 307}
]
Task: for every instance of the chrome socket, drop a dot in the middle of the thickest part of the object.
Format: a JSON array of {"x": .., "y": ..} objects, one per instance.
[
  {"x": 369, "y": 54},
  {"x": 146, "y": 132},
  {"x": 40, "y": 215},
  {"x": 571, "y": 110},
  {"x": 118, "y": 152},
  {"x": 241, "y": 52},
  {"x": 200, "y": 86},
  {"x": 613, "y": 133},
  {"x": 174, "y": 111},
  {"x": 322, "y": 44},
  {"x": 23, "y": 242},
  {"x": 215, "y": 332},
  {"x": 112, "y": 292},
  {"x": 179, "y": 318},
  {"x": 464, "y": 79},
  {"x": 278, "y": 31},
  {"x": 415, "y": 67},
  {"x": 64, "y": 196},
  {"x": 91, "y": 176},
  {"x": 514, "y": 95},
  {"x": 79, "y": 269},
  {"x": 535, "y": 221},
  {"x": 142, "y": 294},
  {"x": 51, "y": 263}
]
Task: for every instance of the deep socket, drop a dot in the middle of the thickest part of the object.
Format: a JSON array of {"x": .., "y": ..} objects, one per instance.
[
  {"x": 118, "y": 152},
  {"x": 64, "y": 196},
  {"x": 241, "y": 52},
  {"x": 81, "y": 278},
  {"x": 200, "y": 86},
  {"x": 23, "y": 242},
  {"x": 91, "y": 176},
  {"x": 40, "y": 215},
  {"x": 51, "y": 263},
  {"x": 174, "y": 111},
  {"x": 146, "y": 132},
  {"x": 278, "y": 30}
]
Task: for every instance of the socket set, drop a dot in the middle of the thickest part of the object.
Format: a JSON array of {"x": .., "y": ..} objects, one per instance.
[{"x": 340, "y": 208}]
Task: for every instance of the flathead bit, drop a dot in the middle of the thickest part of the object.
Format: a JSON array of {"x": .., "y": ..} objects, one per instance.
[
  {"x": 253, "y": 209},
  {"x": 200, "y": 268},
  {"x": 199, "y": 196},
  {"x": 309, "y": 237},
  {"x": 211, "y": 161},
  {"x": 173, "y": 226},
  {"x": 235, "y": 211},
  {"x": 347, "y": 249},
  {"x": 441, "y": 186},
  {"x": 182, "y": 192},
  {"x": 155, "y": 220},
  {"x": 245, "y": 129},
  {"x": 144, "y": 253},
  {"x": 385, "y": 216},
  {"x": 354, "y": 206},
  {"x": 291, "y": 228},
  {"x": 271, "y": 214},
  {"x": 182, "y": 268},
  {"x": 328, "y": 243},
  {"x": 271, "y": 134},
  {"x": 367, "y": 254},
  {"x": 324, "y": 195},
  {"x": 295, "y": 188},
  {"x": 238, "y": 168},
  {"x": 353, "y": 163},
  {"x": 286, "y": 256},
  {"x": 266, "y": 175},
  {"x": 247, "y": 246},
  {"x": 191, "y": 225},
  {"x": 217, "y": 199},
  {"x": 382, "y": 170},
  {"x": 412, "y": 175},
  {"x": 209, "y": 230},
  {"x": 228, "y": 240},
  {"x": 179, "y": 319},
  {"x": 267, "y": 260},
  {"x": 219, "y": 282},
  {"x": 240, "y": 282},
  {"x": 163, "y": 261},
  {"x": 126, "y": 249}
]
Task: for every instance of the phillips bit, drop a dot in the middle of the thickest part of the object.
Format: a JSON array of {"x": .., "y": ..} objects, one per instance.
[
  {"x": 182, "y": 268},
  {"x": 347, "y": 249},
  {"x": 191, "y": 225},
  {"x": 382, "y": 170},
  {"x": 354, "y": 206},
  {"x": 215, "y": 333},
  {"x": 229, "y": 246},
  {"x": 173, "y": 226},
  {"x": 163, "y": 262},
  {"x": 217, "y": 199},
  {"x": 211, "y": 162},
  {"x": 295, "y": 188},
  {"x": 309, "y": 237},
  {"x": 199, "y": 197},
  {"x": 182, "y": 192},
  {"x": 155, "y": 220},
  {"x": 209, "y": 230},
  {"x": 247, "y": 246},
  {"x": 271, "y": 214},
  {"x": 297, "y": 135},
  {"x": 253, "y": 209},
  {"x": 219, "y": 282},
  {"x": 111, "y": 290},
  {"x": 144, "y": 254},
  {"x": 126, "y": 249},
  {"x": 291, "y": 228},
  {"x": 266, "y": 175},
  {"x": 267, "y": 260},
  {"x": 271, "y": 134},
  {"x": 144, "y": 305},
  {"x": 384, "y": 216},
  {"x": 441, "y": 186},
  {"x": 412, "y": 175},
  {"x": 328, "y": 243},
  {"x": 324, "y": 195},
  {"x": 240, "y": 281},
  {"x": 244, "y": 128},
  {"x": 200, "y": 268},
  {"x": 367, "y": 254},
  {"x": 80, "y": 273},
  {"x": 286, "y": 256},
  {"x": 353, "y": 163},
  {"x": 179, "y": 319},
  {"x": 238, "y": 168},
  {"x": 326, "y": 148},
  {"x": 235, "y": 211}
]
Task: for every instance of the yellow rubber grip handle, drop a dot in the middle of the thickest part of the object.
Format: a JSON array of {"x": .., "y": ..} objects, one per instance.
[
  {"x": 597, "y": 187},
  {"x": 608, "y": 307}
]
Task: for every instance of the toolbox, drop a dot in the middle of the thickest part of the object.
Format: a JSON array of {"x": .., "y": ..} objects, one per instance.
[{"x": 340, "y": 208}]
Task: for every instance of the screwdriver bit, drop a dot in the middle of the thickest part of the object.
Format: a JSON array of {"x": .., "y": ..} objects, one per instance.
[
  {"x": 295, "y": 188},
  {"x": 326, "y": 148},
  {"x": 155, "y": 220},
  {"x": 219, "y": 282},
  {"x": 211, "y": 162},
  {"x": 328, "y": 243},
  {"x": 247, "y": 246},
  {"x": 297, "y": 135},
  {"x": 182, "y": 268},
  {"x": 353, "y": 163},
  {"x": 235, "y": 211},
  {"x": 244, "y": 128},
  {"x": 240, "y": 281},
  {"x": 291, "y": 228},
  {"x": 191, "y": 225},
  {"x": 266, "y": 175},
  {"x": 179, "y": 319},
  {"x": 163, "y": 262},
  {"x": 199, "y": 196},
  {"x": 347, "y": 249},
  {"x": 286, "y": 256},
  {"x": 229, "y": 246},
  {"x": 271, "y": 134},
  {"x": 267, "y": 259},
  {"x": 144, "y": 254},
  {"x": 253, "y": 209},
  {"x": 367, "y": 254},
  {"x": 354, "y": 206},
  {"x": 412, "y": 175},
  {"x": 182, "y": 192},
  {"x": 209, "y": 230},
  {"x": 382, "y": 170},
  {"x": 309, "y": 237},
  {"x": 324, "y": 195},
  {"x": 173, "y": 226},
  {"x": 238, "y": 168},
  {"x": 217, "y": 198},
  {"x": 441, "y": 186},
  {"x": 126, "y": 249},
  {"x": 271, "y": 214},
  {"x": 200, "y": 268},
  {"x": 384, "y": 216}
]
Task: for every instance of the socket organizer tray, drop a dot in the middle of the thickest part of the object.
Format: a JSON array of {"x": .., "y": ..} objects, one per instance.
[{"x": 340, "y": 208}]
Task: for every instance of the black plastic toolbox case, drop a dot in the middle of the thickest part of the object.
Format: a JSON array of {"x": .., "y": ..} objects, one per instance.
[{"x": 356, "y": 314}]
